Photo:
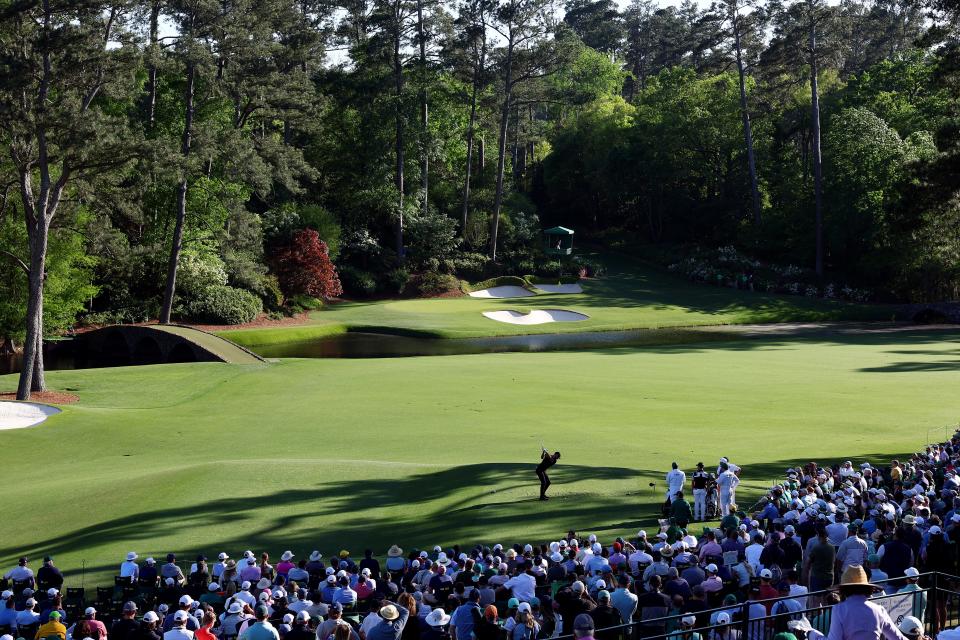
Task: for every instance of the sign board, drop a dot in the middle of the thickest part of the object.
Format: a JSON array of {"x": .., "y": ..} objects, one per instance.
[{"x": 898, "y": 605}]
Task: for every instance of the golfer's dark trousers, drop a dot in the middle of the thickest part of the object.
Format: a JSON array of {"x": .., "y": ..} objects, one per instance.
[{"x": 544, "y": 482}]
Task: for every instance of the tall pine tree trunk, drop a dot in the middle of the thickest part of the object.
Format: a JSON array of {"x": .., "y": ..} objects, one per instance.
[
  {"x": 152, "y": 68},
  {"x": 745, "y": 116},
  {"x": 424, "y": 112},
  {"x": 398, "y": 114},
  {"x": 815, "y": 143},
  {"x": 502, "y": 149},
  {"x": 177, "y": 244},
  {"x": 471, "y": 129},
  {"x": 31, "y": 370}
]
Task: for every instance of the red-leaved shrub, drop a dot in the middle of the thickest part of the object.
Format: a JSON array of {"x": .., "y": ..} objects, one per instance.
[{"x": 304, "y": 268}]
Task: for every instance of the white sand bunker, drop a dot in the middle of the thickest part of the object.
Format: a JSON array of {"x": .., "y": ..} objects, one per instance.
[
  {"x": 537, "y": 316},
  {"x": 560, "y": 288},
  {"x": 502, "y": 292},
  {"x": 18, "y": 415}
]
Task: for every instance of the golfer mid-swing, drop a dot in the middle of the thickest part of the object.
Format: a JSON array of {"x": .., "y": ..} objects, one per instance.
[{"x": 546, "y": 461}]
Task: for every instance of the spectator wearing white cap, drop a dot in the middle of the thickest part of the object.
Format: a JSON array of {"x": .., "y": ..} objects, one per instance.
[
  {"x": 249, "y": 570},
  {"x": 912, "y": 587},
  {"x": 28, "y": 616},
  {"x": 526, "y": 626},
  {"x": 300, "y": 629},
  {"x": 94, "y": 627},
  {"x": 129, "y": 568},
  {"x": 286, "y": 563},
  {"x": 178, "y": 626},
  {"x": 8, "y": 610},
  {"x": 217, "y": 569},
  {"x": 244, "y": 594},
  {"x": 148, "y": 571},
  {"x": 184, "y": 605},
  {"x": 723, "y": 629}
]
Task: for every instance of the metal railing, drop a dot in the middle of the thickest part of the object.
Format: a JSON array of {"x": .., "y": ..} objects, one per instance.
[{"x": 939, "y": 597}]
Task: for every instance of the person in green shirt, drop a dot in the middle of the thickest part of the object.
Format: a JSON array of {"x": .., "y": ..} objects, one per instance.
[
  {"x": 681, "y": 511},
  {"x": 730, "y": 522}
]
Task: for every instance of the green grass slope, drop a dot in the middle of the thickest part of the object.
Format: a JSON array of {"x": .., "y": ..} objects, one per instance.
[
  {"x": 325, "y": 454},
  {"x": 631, "y": 296}
]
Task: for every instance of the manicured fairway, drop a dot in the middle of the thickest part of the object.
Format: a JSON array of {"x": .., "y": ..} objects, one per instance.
[
  {"x": 326, "y": 454},
  {"x": 631, "y": 296}
]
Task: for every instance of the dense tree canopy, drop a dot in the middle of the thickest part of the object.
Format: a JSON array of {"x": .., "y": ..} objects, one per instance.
[{"x": 188, "y": 159}]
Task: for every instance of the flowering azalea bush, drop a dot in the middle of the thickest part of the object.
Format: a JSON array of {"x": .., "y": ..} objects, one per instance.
[{"x": 726, "y": 267}]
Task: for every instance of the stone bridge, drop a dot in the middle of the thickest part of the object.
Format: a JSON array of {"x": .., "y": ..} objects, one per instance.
[
  {"x": 123, "y": 345},
  {"x": 931, "y": 312}
]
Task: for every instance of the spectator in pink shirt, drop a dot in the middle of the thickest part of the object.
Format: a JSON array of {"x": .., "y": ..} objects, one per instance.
[
  {"x": 285, "y": 564},
  {"x": 710, "y": 548}
]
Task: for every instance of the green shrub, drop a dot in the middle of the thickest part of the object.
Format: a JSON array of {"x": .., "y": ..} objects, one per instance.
[
  {"x": 300, "y": 302},
  {"x": 272, "y": 295},
  {"x": 221, "y": 304},
  {"x": 357, "y": 282},
  {"x": 470, "y": 266},
  {"x": 499, "y": 281},
  {"x": 430, "y": 284},
  {"x": 395, "y": 279}
]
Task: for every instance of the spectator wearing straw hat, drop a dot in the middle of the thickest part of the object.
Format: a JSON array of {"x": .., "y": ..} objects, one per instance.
[
  {"x": 395, "y": 562},
  {"x": 129, "y": 568},
  {"x": 285, "y": 564},
  {"x": 393, "y": 619},
  {"x": 856, "y": 617}
]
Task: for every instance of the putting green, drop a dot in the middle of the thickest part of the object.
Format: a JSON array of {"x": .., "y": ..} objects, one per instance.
[
  {"x": 325, "y": 454},
  {"x": 631, "y": 296}
]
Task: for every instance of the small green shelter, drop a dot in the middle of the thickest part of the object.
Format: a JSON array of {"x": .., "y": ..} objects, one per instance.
[{"x": 558, "y": 241}]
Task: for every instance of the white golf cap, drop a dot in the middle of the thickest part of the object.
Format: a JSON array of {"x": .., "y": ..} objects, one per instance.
[
  {"x": 186, "y": 600},
  {"x": 132, "y": 555},
  {"x": 89, "y": 611}
]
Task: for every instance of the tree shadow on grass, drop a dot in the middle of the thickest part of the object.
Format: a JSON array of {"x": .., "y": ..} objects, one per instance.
[{"x": 364, "y": 512}]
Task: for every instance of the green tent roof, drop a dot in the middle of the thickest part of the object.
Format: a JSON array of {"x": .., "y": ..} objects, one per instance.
[{"x": 559, "y": 231}]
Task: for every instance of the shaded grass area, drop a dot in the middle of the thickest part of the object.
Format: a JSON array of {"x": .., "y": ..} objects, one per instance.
[
  {"x": 631, "y": 296},
  {"x": 326, "y": 454}
]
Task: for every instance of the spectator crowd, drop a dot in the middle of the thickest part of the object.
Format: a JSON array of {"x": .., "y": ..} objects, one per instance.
[{"x": 773, "y": 565}]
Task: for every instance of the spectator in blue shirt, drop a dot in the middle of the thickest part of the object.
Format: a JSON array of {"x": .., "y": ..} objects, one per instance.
[{"x": 465, "y": 617}]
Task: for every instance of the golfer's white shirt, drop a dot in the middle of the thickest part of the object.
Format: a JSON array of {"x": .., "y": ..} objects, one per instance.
[
  {"x": 675, "y": 481},
  {"x": 728, "y": 481},
  {"x": 523, "y": 586}
]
